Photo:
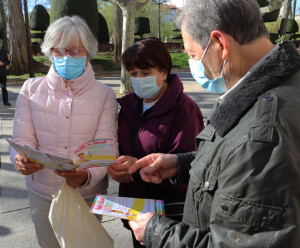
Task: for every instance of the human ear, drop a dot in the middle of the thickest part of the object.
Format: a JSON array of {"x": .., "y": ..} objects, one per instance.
[
  {"x": 165, "y": 74},
  {"x": 223, "y": 42}
]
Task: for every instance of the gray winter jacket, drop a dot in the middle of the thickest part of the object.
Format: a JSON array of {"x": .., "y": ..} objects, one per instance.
[{"x": 244, "y": 184}]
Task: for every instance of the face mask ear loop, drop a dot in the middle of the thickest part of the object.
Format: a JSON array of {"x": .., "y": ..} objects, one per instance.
[
  {"x": 223, "y": 67},
  {"x": 205, "y": 50}
]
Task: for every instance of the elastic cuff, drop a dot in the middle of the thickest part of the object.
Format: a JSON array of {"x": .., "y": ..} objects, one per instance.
[
  {"x": 87, "y": 181},
  {"x": 184, "y": 165}
]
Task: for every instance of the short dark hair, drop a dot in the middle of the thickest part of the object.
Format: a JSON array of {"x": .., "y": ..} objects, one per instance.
[{"x": 147, "y": 53}]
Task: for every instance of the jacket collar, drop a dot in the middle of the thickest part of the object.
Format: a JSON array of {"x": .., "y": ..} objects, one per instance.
[
  {"x": 281, "y": 64},
  {"x": 165, "y": 103},
  {"x": 75, "y": 86}
]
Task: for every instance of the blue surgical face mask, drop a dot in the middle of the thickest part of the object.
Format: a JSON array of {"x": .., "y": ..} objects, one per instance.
[
  {"x": 69, "y": 67},
  {"x": 216, "y": 85},
  {"x": 145, "y": 87}
]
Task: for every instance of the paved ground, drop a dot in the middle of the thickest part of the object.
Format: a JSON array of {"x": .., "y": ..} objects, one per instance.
[{"x": 16, "y": 228}]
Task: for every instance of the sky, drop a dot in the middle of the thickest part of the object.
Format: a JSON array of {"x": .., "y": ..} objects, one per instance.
[{"x": 177, "y": 3}]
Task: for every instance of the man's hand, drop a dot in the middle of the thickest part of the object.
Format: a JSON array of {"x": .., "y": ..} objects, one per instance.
[
  {"x": 119, "y": 170},
  {"x": 25, "y": 167},
  {"x": 156, "y": 167},
  {"x": 139, "y": 226},
  {"x": 74, "y": 179}
]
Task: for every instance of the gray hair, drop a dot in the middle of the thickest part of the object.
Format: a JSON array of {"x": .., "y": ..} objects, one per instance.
[
  {"x": 241, "y": 19},
  {"x": 67, "y": 29}
]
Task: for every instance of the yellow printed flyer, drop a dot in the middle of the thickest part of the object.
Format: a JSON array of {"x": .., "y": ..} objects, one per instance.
[
  {"x": 124, "y": 207},
  {"x": 95, "y": 153}
]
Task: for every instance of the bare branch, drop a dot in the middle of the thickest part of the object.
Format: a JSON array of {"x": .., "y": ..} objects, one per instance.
[{"x": 274, "y": 4}]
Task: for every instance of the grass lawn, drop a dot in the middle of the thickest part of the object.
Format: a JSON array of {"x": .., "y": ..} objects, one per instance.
[
  {"x": 180, "y": 60},
  {"x": 100, "y": 63}
]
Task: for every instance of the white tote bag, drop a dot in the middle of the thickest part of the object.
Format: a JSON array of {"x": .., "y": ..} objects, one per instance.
[{"x": 72, "y": 223}]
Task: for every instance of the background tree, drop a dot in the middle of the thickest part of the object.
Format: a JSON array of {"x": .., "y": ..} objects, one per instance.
[
  {"x": 3, "y": 26},
  {"x": 106, "y": 9},
  {"x": 129, "y": 9},
  {"x": 39, "y": 22},
  {"x": 285, "y": 14},
  {"x": 28, "y": 40},
  {"x": 86, "y": 9},
  {"x": 118, "y": 24},
  {"x": 103, "y": 36},
  {"x": 18, "y": 48},
  {"x": 114, "y": 18},
  {"x": 141, "y": 26},
  {"x": 294, "y": 9},
  {"x": 150, "y": 11},
  {"x": 39, "y": 18}
]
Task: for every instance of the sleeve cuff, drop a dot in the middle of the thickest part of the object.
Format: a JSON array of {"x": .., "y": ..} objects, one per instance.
[
  {"x": 184, "y": 165},
  {"x": 87, "y": 181}
]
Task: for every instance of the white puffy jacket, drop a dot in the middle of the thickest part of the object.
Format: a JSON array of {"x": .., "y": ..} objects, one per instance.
[{"x": 56, "y": 116}]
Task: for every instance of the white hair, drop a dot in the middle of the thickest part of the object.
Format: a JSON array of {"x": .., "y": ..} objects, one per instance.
[{"x": 69, "y": 29}]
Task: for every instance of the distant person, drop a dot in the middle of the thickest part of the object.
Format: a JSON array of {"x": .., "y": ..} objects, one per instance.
[
  {"x": 3, "y": 74},
  {"x": 244, "y": 179},
  {"x": 59, "y": 112},
  {"x": 157, "y": 117},
  {"x": 111, "y": 40}
]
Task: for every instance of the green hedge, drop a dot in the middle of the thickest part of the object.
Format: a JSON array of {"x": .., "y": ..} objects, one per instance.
[
  {"x": 86, "y": 9},
  {"x": 39, "y": 18}
]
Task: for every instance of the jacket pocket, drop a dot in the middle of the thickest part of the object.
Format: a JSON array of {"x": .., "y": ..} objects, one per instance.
[
  {"x": 203, "y": 181},
  {"x": 244, "y": 216}
]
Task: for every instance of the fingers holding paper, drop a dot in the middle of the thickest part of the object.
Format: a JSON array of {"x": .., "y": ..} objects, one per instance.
[
  {"x": 119, "y": 170},
  {"x": 156, "y": 167},
  {"x": 139, "y": 226},
  {"x": 25, "y": 167}
]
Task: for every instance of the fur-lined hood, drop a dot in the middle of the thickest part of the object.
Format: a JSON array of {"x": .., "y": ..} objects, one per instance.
[{"x": 279, "y": 66}]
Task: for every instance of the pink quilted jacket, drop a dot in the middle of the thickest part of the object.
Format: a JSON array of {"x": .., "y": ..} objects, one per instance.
[{"x": 56, "y": 116}]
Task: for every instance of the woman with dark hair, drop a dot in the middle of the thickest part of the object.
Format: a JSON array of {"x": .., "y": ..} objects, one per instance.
[{"x": 157, "y": 117}]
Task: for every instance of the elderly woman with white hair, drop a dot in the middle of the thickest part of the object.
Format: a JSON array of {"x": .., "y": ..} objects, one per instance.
[{"x": 59, "y": 112}]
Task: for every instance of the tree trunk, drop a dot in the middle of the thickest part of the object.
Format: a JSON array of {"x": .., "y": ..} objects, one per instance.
[
  {"x": 3, "y": 16},
  {"x": 17, "y": 34},
  {"x": 294, "y": 9},
  {"x": 273, "y": 4},
  {"x": 127, "y": 41},
  {"x": 286, "y": 12},
  {"x": 129, "y": 9},
  {"x": 118, "y": 20},
  {"x": 28, "y": 39}
]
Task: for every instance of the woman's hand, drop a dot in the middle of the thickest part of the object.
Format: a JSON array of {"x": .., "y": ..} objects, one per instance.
[
  {"x": 74, "y": 179},
  {"x": 25, "y": 167},
  {"x": 119, "y": 170}
]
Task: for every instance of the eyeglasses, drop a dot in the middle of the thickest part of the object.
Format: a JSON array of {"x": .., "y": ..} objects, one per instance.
[{"x": 74, "y": 52}]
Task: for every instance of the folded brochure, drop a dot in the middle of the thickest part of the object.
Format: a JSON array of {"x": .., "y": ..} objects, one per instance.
[
  {"x": 124, "y": 207},
  {"x": 95, "y": 153}
]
